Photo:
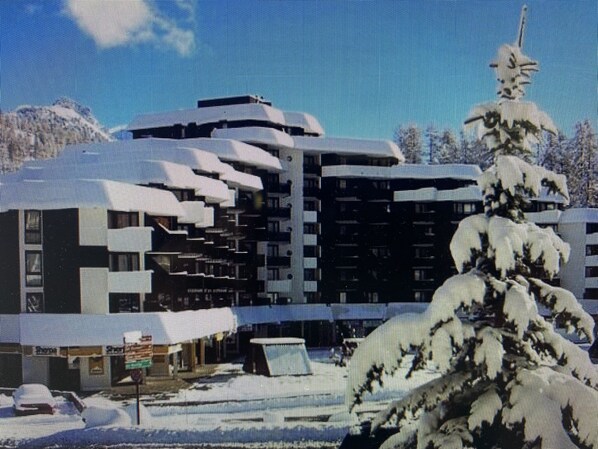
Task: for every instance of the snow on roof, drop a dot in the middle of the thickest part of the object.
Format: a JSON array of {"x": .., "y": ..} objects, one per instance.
[
  {"x": 358, "y": 311},
  {"x": 256, "y": 134},
  {"x": 111, "y": 195},
  {"x": 370, "y": 147},
  {"x": 91, "y": 330},
  {"x": 214, "y": 114},
  {"x": 405, "y": 171},
  {"x": 544, "y": 217},
  {"x": 277, "y": 341},
  {"x": 278, "y": 314},
  {"x": 580, "y": 215},
  {"x": 308, "y": 122},
  {"x": 138, "y": 172},
  {"x": 470, "y": 193},
  {"x": 244, "y": 181},
  {"x": 150, "y": 148},
  {"x": 236, "y": 151},
  {"x": 10, "y": 329}
]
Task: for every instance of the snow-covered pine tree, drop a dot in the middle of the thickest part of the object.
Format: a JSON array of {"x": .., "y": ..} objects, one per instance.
[
  {"x": 584, "y": 165},
  {"x": 433, "y": 141},
  {"x": 409, "y": 140},
  {"x": 508, "y": 380},
  {"x": 449, "y": 148}
]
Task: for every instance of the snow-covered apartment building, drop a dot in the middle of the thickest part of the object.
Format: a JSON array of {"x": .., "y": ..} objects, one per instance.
[{"x": 232, "y": 218}]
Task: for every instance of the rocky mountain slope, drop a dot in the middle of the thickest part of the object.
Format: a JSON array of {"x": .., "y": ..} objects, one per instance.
[{"x": 40, "y": 132}]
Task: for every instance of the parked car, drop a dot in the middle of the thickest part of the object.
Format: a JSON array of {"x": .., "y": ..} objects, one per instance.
[{"x": 32, "y": 399}]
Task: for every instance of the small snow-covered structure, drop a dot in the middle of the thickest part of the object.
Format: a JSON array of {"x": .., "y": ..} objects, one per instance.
[{"x": 277, "y": 357}]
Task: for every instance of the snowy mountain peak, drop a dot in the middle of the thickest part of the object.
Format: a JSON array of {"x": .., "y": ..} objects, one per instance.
[{"x": 39, "y": 132}]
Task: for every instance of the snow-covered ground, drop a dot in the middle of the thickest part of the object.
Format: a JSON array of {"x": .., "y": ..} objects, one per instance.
[{"x": 229, "y": 409}]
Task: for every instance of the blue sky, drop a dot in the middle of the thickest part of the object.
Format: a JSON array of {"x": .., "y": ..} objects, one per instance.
[{"x": 361, "y": 67}]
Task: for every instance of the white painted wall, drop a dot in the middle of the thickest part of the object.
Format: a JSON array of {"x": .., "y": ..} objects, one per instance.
[
  {"x": 36, "y": 370},
  {"x": 94, "y": 382},
  {"x": 94, "y": 290},
  {"x": 93, "y": 227},
  {"x": 130, "y": 281}
]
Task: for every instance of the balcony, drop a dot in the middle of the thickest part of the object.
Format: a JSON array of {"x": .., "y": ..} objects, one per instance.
[
  {"x": 130, "y": 282},
  {"x": 312, "y": 169},
  {"x": 311, "y": 191},
  {"x": 310, "y": 262},
  {"x": 310, "y": 240},
  {"x": 310, "y": 286},
  {"x": 278, "y": 187},
  {"x": 137, "y": 240},
  {"x": 310, "y": 216},
  {"x": 280, "y": 212},
  {"x": 278, "y": 261},
  {"x": 279, "y": 237},
  {"x": 592, "y": 239},
  {"x": 279, "y": 286}
]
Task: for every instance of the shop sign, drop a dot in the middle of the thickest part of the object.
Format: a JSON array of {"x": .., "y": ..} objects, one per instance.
[
  {"x": 46, "y": 351},
  {"x": 114, "y": 350},
  {"x": 138, "y": 352}
]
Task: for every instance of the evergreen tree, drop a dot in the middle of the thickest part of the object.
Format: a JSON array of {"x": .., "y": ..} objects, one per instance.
[
  {"x": 508, "y": 380},
  {"x": 584, "y": 170},
  {"x": 449, "y": 148},
  {"x": 433, "y": 141},
  {"x": 409, "y": 140}
]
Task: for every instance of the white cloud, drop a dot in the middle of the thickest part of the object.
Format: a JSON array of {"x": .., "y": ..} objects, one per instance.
[
  {"x": 33, "y": 8},
  {"x": 113, "y": 23}
]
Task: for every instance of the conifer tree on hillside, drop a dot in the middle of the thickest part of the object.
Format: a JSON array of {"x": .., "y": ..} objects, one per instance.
[
  {"x": 409, "y": 140},
  {"x": 508, "y": 380},
  {"x": 449, "y": 148}
]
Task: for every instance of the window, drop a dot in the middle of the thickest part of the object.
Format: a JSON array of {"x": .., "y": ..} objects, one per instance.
[
  {"x": 274, "y": 153},
  {"x": 310, "y": 183},
  {"x": 273, "y": 203},
  {"x": 35, "y": 302},
  {"x": 423, "y": 208},
  {"x": 381, "y": 252},
  {"x": 423, "y": 274},
  {"x": 342, "y": 297},
  {"x": 311, "y": 297},
  {"x": 273, "y": 226},
  {"x": 273, "y": 274},
  {"x": 164, "y": 261},
  {"x": 591, "y": 228},
  {"x": 272, "y": 178},
  {"x": 381, "y": 185},
  {"x": 591, "y": 250},
  {"x": 592, "y": 272},
  {"x": 342, "y": 275},
  {"x": 272, "y": 250},
  {"x": 309, "y": 160},
  {"x": 117, "y": 220},
  {"x": 421, "y": 296},
  {"x": 464, "y": 208},
  {"x": 424, "y": 252},
  {"x": 310, "y": 205},
  {"x": 372, "y": 296},
  {"x": 310, "y": 251},
  {"x": 310, "y": 274},
  {"x": 310, "y": 228},
  {"x": 341, "y": 183},
  {"x": 33, "y": 268},
  {"x": 33, "y": 226},
  {"x": 124, "y": 302},
  {"x": 124, "y": 262}
]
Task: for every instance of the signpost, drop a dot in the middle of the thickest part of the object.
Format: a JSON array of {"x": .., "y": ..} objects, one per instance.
[{"x": 138, "y": 350}]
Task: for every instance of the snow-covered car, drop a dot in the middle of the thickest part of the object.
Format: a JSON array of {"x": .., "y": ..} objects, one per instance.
[{"x": 31, "y": 399}]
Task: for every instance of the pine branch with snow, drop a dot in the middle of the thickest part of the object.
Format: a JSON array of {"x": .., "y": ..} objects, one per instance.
[{"x": 500, "y": 360}]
